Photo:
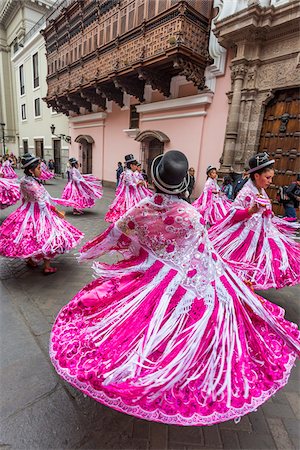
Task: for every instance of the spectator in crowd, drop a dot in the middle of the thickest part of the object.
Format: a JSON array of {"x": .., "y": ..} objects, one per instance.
[
  {"x": 119, "y": 170},
  {"x": 240, "y": 182},
  {"x": 191, "y": 184},
  {"x": 51, "y": 165},
  {"x": 145, "y": 176},
  {"x": 293, "y": 194},
  {"x": 227, "y": 187}
]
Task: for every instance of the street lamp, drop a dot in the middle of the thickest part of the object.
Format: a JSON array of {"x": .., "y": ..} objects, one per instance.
[
  {"x": 3, "y": 138},
  {"x": 61, "y": 136}
]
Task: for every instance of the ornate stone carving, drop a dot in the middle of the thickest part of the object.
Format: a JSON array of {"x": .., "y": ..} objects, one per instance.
[{"x": 238, "y": 71}]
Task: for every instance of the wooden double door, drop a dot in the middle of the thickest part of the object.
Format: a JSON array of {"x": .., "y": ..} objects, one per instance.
[{"x": 280, "y": 139}]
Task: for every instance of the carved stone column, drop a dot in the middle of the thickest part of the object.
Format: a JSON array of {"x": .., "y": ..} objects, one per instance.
[{"x": 238, "y": 73}]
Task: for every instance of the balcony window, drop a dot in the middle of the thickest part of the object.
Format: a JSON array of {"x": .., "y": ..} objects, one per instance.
[
  {"x": 134, "y": 117},
  {"x": 37, "y": 107},
  {"x": 22, "y": 84},
  {"x": 35, "y": 66},
  {"x": 23, "y": 111}
]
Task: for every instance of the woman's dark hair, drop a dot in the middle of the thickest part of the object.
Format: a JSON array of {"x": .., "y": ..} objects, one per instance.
[
  {"x": 31, "y": 167},
  {"x": 227, "y": 180},
  {"x": 129, "y": 164},
  {"x": 260, "y": 171}
]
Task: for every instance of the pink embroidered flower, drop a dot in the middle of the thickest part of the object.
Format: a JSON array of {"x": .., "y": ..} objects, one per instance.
[
  {"x": 201, "y": 248},
  {"x": 214, "y": 257},
  {"x": 170, "y": 248},
  {"x": 158, "y": 200},
  {"x": 169, "y": 220},
  {"x": 191, "y": 273},
  {"x": 131, "y": 225}
]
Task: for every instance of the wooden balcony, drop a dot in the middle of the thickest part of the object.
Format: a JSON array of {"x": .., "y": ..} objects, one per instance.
[{"x": 97, "y": 50}]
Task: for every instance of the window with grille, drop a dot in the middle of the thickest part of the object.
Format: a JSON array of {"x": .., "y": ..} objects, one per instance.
[
  {"x": 35, "y": 66},
  {"x": 134, "y": 117},
  {"x": 37, "y": 107},
  {"x": 22, "y": 84},
  {"x": 23, "y": 111}
]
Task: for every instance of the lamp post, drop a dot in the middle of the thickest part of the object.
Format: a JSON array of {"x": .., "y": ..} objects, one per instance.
[
  {"x": 61, "y": 136},
  {"x": 3, "y": 138}
]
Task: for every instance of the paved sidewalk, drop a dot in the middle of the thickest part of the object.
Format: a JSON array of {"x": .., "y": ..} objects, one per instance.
[{"x": 40, "y": 411}]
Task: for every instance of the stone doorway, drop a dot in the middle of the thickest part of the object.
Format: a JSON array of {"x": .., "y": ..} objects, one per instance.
[{"x": 279, "y": 137}]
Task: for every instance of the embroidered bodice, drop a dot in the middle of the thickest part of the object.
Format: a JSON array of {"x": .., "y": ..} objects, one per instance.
[
  {"x": 248, "y": 196},
  {"x": 211, "y": 185},
  {"x": 75, "y": 174},
  {"x": 173, "y": 231},
  {"x": 32, "y": 191}
]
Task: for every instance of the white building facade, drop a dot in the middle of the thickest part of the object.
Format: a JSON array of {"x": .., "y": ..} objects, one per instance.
[{"x": 34, "y": 117}]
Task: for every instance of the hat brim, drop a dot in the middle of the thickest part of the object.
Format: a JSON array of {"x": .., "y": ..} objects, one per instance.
[
  {"x": 261, "y": 166},
  {"x": 167, "y": 190},
  {"x": 24, "y": 166},
  {"x": 131, "y": 161}
]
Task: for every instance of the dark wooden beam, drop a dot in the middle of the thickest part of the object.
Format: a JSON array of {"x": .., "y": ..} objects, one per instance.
[
  {"x": 158, "y": 80},
  {"x": 131, "y": 86}
]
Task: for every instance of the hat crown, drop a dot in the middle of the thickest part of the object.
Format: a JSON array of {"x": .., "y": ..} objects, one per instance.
[
  {"x": 258, "y": 160},
  {"x": 129, "y": 158},
  {"x": 28, "y": 159},
  {"x": 72, "y": 160},
  {"x": 209, "y": 168},
  {"x": 170, "y": 172}
]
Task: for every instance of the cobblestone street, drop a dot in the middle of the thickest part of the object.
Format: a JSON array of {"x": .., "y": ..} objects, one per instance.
[{"x": 40, "y": 411}]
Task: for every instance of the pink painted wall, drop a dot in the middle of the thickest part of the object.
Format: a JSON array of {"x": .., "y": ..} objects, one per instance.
[
  {"x": 117, "y": 143},
  {"x": 201, "y": 137},
  {"x": 214, "y": 128}
]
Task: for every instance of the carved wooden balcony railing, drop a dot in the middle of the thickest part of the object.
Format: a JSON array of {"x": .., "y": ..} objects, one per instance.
[{"x": 97, "y": 50}]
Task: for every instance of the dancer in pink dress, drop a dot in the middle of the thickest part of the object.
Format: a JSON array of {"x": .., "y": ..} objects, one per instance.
[
  {"x": 142, "y": 185},
  {"x": 7, "y": 169},
  {"x": 170, "y": 334},
  {"x": 9, "y": 192},
  {"x": 45, "y": 172},
  {"x": 82, "y": 190},
  {"x": 252, "y": 236},
  {"x": 212, "y": 204},
  {"x": 130, "y": 191},
  {"x": 36, "y": 230}
]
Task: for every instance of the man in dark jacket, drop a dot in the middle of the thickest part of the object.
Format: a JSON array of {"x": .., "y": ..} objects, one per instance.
[
  {"x": 293, "y": 194},
  {"x": 240, "y": 182}
]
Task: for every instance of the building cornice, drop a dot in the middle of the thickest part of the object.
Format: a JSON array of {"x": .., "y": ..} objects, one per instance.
[
  {"x": 258, "y": 23},
  {"x": 176, "y": 103},
  {"x": 88, "y": 117}
]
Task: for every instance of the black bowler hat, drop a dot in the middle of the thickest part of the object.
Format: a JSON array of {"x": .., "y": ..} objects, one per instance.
[
  {"x": 130, "y": 159},
  {"x": 28, "y": 160},
  {"x": 73, "y": 160},
  {"x": 169, "y": 172},
  {"x": 259, "y": 161}
]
